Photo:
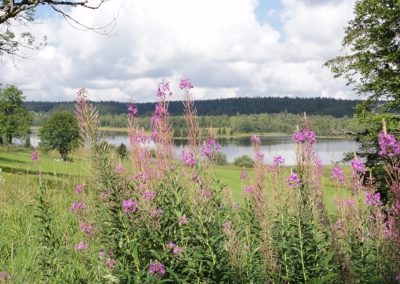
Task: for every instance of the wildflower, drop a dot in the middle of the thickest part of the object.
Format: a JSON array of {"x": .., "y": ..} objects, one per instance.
[
  {"x": 244, "y": 175},
  {"x": 183, "y": 220},
  {"x": 163, "y": 90},
  {"x": 77, "y": 206},
  {"x": 278, "y": 160},
  {"x": 358, "y": 165},
  {"x": 110, "y": 262},
  {"x": 132, "y": 110},
  {"x": 259, "y": 156},
  {"x": 129, "y": 206},
  {"x": 87, "y": 228},
  {"x": 119, "y": 169},
  {"x": 388, "y": 144},
  {"x": 249, "y": 189},
  {"x": 171, "y": 245},
  {"x": 185, "y": 84},
  {"x": 255, "y": 140},
  {"x": 102, "y": 254},
  {"x": 188, "y": 159},
  {"x": 210, "y": 147},
  {"x": 303, "y": 136},
  {"x": 81, "y": 97},
  {"x": 293, "y": 181},
  {"x": 156, "y": 213},
  {"x": 149, "y": 195},
  {"x": 79, "y": 188},
  {"x": 337, "y": 174},
  {"x": 373, "y": 199},
  {"x": 206, "y": 193},
  {"x": 177, "y": 250},
  {"x": 156, "y": 268},
  {"x": 35, "y": 155},
  {"x": 81, "y": 246}
]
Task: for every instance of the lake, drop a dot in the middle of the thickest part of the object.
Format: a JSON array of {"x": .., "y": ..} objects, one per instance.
[{"x": 329, "y": 150}]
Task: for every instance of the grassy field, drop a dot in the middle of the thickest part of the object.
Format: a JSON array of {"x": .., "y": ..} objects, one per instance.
[{"x": 19, "y": 185}]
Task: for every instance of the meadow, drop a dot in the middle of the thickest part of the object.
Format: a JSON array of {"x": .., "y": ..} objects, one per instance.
[{"x": 155, "y": 219}]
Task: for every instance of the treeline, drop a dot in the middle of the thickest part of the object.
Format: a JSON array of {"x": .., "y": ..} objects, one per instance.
[
  {"x": 229, "y": 107},
  {"x": 228, "y": 125}
]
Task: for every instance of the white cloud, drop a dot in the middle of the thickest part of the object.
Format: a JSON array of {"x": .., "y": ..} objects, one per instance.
[{"x": 220, "y": 45}]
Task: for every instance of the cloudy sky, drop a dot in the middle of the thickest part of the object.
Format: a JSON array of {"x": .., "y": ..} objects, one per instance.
[{"x": 228, "y": 48}]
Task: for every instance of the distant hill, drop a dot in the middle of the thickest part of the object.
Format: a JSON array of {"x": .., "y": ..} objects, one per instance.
[{"x": 231, "y": 106}]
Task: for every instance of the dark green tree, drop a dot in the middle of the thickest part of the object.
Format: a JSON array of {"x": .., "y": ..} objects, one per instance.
[
  {"x": 15, "y": 120},
  {"x": 60, "y": 132},
  {"x": 122, "y": 151},
  {"x": 372, "y": 67}
]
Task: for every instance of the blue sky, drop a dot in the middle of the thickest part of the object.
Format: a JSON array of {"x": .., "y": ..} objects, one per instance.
[{"x": 227, "y": 48}]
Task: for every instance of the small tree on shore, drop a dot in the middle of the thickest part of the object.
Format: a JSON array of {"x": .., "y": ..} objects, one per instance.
[{"x": 60, "y": 132}]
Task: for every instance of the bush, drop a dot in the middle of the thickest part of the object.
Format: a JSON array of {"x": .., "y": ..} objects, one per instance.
[
  {"x": 122, "y": 151},
  {"x": 220, "y": 159},
  {"x": 244, "y": 162}
]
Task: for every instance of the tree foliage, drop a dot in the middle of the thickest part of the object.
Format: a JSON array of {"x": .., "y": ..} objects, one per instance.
[
  {"x": 22, "y": 13},
  {"x": 372, "y": 65},
  {"x": 15, "y": 120},
  {"x": 60, "y": 132}
]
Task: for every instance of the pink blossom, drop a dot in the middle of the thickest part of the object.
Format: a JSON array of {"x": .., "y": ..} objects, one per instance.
[
  {"x": 77, "y": 206},
  {"x": 119, "y": 169},
  {"x": 259, "y": 156},
  {"x": 244, "y": 175},
  {"x": 183, "y": 220},
  {"x": 210, "y": 148},
  {"x": 177, "y": 250},
  {"x": 278, "y": 160},
  {"x": 163, "y": 90},
  {"x": 293, "y": 180},
  {"x": 129, "y": 206},
  {"x": 358, "y": 165},
  {"x": 110, "y": 262},
  {"x": 255, "y": 140},
  {"x": 157, "y": 268},
  {"x": 4, "y": 277},
  {"x": 132, "y": 110},
  {"x": 35, "y": 155},
  {"x": 79, "y": 188},
  {"x": 206, "y": 193},
  {"x": 156, "y": 214},
  {"x": 337, "y": 174},
  {"x": 81, "y": 246},
  {"x": 303, "y": 136},
  {"x": 185, "y": 84},
  {"x": 373, "y": 200},
  {"x": 388, "y": 144},
  {"x": 249, "y": 189},
  {"x": 171, "y": 245},
  {"x": 149, "y": 195},
  {"x": 188, "y": 159},
  {"x": 87, "y": 228}
]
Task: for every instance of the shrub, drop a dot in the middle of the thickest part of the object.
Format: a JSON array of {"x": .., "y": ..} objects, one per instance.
[{"x": 244, "y": 162}]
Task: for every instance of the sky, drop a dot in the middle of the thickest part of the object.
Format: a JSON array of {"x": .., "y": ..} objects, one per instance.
[{"x": 227, "y": 48}]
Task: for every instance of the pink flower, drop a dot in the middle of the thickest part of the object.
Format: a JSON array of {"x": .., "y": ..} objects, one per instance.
[
  {"x": 171, "y": 245},
  {"x": 183, "y": 220},
  {"x": 149, "y": 195},
  {"x": 358, "y": 165},
  {"x": 110, "y": 262},
  {"x": 157, "y": 268},
  {"x": 303, "y": 136},
  {"x": 79, "y": 188},
  {"x": 188, "y": 159},
  {"x": 132, "y": 110},
  {"x": 388, "y": 144},
  {"x": 293, "y": 181},
  {"x": 81, "y": 246},
  {"x": 244, "y": 175},
  {"x": 35, "y": 155},
  {"x": 373, "y": 200},
  {"x": 210, "y": 148},
  {"x": 259, "y": 156},
  {"x": 4, "y": 277},
  {"x": 77, "y": 206},
  {"x": 185, "y": 84},
  {"x": 278, "y": 160},
  {"x": 87, "y": 228},
  {"x": 249, "y": 189},
  {"x": 129, "y": 206},
  {"x": 206, "y": 193},
  {"x": 163, "y": 90},
  {"x": 337, "y": 174},
  {"x": 177, "y": 250},
  {"x": 255, "y": 140}
]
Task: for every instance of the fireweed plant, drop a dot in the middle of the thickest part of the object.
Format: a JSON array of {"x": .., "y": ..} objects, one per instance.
[{"x": 170, "y": 220}]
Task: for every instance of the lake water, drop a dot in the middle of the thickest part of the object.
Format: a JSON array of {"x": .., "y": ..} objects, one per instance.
[{"x": 328, "y": 150}]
